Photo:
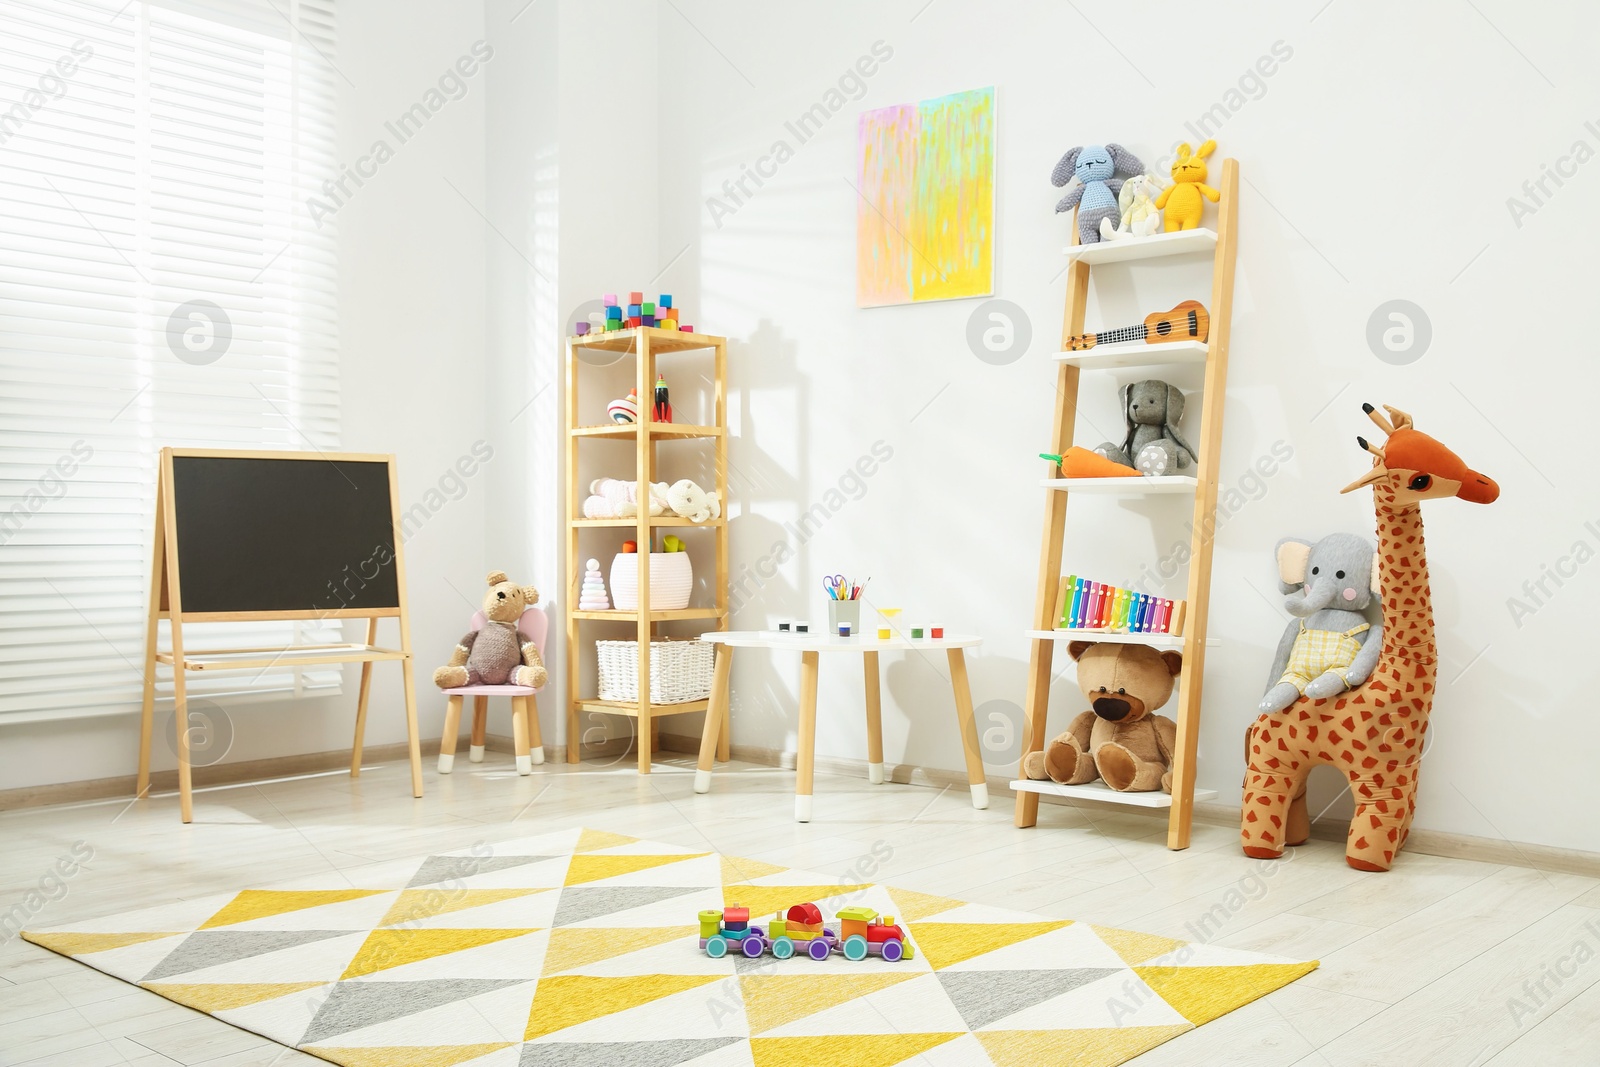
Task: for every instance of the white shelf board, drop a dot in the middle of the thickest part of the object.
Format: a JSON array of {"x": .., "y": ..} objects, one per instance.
[
  {"x": 1136, "y": 354},
  {"x": 1177, "y": 243},
  {"x": 1100, "y": 791},
  {"x": 1164, "y": 641},
  {"x": 1137, "y": 486}
]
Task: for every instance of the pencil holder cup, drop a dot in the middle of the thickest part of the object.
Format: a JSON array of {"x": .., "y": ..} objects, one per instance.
[{"x": 844, "y": 611}]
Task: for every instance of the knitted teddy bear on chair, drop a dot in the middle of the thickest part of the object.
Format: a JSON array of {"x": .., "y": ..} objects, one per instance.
[{"x": 496, "y": 654}]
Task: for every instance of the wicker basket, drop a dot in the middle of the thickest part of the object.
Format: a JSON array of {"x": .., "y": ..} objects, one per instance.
[{"x": 680, "y": 671}]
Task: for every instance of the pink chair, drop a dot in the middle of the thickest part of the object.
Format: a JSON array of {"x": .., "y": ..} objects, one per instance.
[{"x": 533, "y": 626}]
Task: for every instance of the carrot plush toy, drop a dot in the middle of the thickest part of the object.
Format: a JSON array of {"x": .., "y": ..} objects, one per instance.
[{"x": 1181, "y": 201}]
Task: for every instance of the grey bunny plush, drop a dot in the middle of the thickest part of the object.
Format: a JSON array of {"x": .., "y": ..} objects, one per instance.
[
  {"x": 1095, "y": 196},
  {"x": 1153, "y": 444},
  {"x": 1332, "y": 644}
]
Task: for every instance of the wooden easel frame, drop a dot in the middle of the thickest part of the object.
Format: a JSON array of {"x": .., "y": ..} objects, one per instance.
[{"x": 164, "y": 579}]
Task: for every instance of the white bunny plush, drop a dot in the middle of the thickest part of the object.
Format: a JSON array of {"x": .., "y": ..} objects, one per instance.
[
  {"x": 613, "y": 498},
  {"x": 1140, "y": 217}
]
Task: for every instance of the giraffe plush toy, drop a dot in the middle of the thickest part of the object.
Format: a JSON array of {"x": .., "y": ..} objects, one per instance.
[{"x": 1374, "y": 733}]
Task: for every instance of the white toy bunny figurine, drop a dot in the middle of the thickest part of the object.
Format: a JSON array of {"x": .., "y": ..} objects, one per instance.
[{"x": 1140, "y": 217}]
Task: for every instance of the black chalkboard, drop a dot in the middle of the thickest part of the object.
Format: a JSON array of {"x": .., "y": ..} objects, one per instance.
[{"x": 306, "y": 535}]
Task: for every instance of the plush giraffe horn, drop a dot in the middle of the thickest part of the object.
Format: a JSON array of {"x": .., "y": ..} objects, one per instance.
[
  {"x": 1381, "y": 422},
  {"x": 1379, "y": 469}
]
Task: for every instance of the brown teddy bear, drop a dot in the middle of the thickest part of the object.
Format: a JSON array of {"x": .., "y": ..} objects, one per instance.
[
  {"x": 1122, "y": 740},
  {"x": 497, "y": 654}
]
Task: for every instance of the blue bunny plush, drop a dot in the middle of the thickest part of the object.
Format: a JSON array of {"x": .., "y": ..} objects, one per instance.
[{"x": 1095, "y": 196}]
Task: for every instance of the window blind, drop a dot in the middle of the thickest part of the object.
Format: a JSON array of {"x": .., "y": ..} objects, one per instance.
[{"x": 161, "y": 283}]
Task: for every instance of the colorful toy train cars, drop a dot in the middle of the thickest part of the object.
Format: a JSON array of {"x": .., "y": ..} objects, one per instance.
[
  {"x": 862, "y": 933},
  {"x": 865, "y": 934}
]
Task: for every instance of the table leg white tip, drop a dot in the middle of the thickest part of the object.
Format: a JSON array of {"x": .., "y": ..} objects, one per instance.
[
  {"x": 802, "y": 809},
  {"x": 538, "y": 757},
  {"x": 524, "y": 764},
  {"x": 702, "y": 781},
  {"x": 446, "y": 763},
  {"x": 980, "y": 796},
  {"x": 475, "y": 754},
  {"x": 875, "y": 773}
]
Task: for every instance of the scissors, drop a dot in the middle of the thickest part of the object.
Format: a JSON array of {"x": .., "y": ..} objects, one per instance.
[{"x": 835, "y": 585}]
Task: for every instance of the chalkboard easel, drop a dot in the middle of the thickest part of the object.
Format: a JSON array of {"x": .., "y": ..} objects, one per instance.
[{"x": 250, "y": 536}]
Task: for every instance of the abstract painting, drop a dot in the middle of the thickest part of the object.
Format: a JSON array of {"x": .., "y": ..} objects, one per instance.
[{"x": 925, "y": 213}]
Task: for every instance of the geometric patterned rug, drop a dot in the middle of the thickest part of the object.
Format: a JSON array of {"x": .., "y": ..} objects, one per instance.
[{"x": 580, "y": 948}]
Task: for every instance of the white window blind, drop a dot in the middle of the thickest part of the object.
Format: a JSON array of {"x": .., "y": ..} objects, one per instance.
[{"x": 161, "y": 283}]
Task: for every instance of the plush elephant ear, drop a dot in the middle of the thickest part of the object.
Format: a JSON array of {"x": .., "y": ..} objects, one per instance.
[
  {"x": 1124, "y": 161},
  {"x": 1294, "y": 556},
  {"x": 1377, "y": 579},
  {"x": 496, "y": 577},
  {"x": 530, "y": 596},
  {"x": 1065, "y": 169}
]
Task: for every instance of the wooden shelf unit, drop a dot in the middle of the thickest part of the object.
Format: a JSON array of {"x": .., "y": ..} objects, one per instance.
[
  {"x": 644, "y": 344},
  {"x": 1221, "y": 244}
]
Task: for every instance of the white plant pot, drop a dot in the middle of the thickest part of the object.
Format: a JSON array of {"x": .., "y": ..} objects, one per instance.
[{"x": 671, "y": 581}]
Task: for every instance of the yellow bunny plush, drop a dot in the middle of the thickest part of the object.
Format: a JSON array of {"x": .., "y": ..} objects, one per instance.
[{"x": 1181, "y": 202}]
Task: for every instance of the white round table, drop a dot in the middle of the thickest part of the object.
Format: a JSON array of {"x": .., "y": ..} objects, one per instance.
[{"x": 867, "y": 646}]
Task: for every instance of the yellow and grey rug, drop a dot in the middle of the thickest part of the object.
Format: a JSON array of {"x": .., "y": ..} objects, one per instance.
[{"x": 579, "y": 948}]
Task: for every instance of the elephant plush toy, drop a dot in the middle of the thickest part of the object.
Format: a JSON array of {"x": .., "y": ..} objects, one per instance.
[
  {"x": 1153, "y": 445},
  {"x": 1331, "y": 646},
  {"x": 1095, "y": 196}
]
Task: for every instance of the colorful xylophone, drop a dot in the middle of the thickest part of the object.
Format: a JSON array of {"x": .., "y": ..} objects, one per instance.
[{"x": 1085, "y": 604}]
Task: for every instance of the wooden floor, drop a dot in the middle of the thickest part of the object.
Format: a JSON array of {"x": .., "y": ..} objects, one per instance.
[{"x": 1419, "y": 966}]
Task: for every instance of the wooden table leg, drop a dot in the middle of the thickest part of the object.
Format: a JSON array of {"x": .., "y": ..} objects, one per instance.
[
  {"x": 519, "y": 734},
  {"x": 362, "y": 694},
  {"x": 447, "y": 740},
  {"x": 869, "y": 662},
  {"x": 969, "y": 729},
  {"x": 714, "y": 733},
  {"x": 480, "y": 728},
  {"x": 805, "y": 757}
]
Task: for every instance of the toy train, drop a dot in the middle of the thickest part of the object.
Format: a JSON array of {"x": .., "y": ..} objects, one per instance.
[{"x": 862, "y": 933}]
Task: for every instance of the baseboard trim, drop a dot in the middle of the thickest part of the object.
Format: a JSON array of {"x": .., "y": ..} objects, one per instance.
[{"x": 1425, "y": 842}]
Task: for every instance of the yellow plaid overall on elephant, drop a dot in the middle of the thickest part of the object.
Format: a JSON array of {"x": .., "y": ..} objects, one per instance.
[{"x": 1318, "y": 652}]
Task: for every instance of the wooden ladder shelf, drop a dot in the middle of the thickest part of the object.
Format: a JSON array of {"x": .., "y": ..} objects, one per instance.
[{"x": 1223, "y": 245}]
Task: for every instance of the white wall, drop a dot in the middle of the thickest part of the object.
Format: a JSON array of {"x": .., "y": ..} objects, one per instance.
[
  {"x": 571, "y": 150},
  {"x": 411, "y": 306},
  {"x": 1359, "y": 187},
  {"x": 1377, "y": 160}
]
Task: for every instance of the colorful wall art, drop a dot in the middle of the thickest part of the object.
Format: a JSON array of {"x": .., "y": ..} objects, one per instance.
[{"x": 925, "y": 213}]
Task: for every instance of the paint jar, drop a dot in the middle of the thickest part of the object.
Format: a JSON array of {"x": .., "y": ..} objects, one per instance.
[{"x": 844, "y": 613}]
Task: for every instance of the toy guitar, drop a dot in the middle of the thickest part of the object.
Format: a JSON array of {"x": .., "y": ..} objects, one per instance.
[{"x": 1186, "y": 322}]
